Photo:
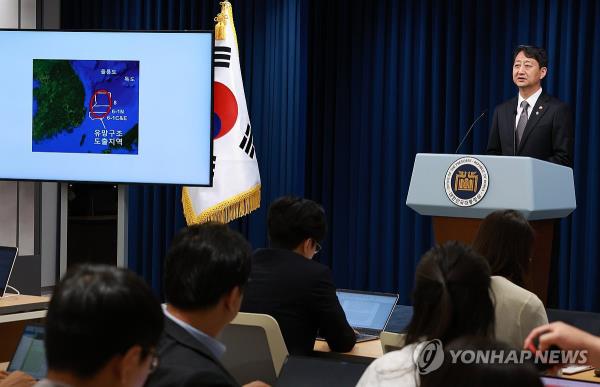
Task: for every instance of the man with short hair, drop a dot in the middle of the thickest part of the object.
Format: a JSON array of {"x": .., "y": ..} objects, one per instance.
[
  {"x": 287, "y": 284},
  {"x": 102, "y": 327},
  {"x": 532, "y": 124},
  {"x": 206, "y": 270}
]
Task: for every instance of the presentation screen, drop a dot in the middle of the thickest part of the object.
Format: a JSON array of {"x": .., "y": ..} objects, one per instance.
[{"x": 122, "y": 107}]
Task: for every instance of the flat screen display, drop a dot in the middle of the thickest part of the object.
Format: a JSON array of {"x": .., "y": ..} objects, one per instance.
[{"x": 122, "y": 107}]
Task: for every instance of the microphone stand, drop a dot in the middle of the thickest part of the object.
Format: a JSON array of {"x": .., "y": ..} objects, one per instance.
[{"x": 469, "y": 131}]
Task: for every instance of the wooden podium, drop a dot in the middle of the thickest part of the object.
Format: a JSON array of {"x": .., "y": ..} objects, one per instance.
[{"x": 543, "y": 192}]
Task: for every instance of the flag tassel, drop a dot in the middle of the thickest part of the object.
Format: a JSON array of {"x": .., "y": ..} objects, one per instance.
[
  {"x": 226, "y": 211},
  {"x": 220, "y": 26}
]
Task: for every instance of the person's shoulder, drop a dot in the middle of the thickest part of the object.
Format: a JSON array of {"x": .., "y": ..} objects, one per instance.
[
  {"x": 317, "y": 270},
  {"x": 558, "y": 103},
  {"x": 502, "y": 287},
  {"x": 396, "y": 360},
  {"x": 396, "y": 367},
  {"x": 501, "y": 283},
  {"x": 178, "y": 348},
  {"x": 510, "y": 103},
  {"x": 267, "y": 255}
]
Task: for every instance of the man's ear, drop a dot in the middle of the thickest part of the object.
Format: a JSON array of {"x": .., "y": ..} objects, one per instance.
[
  {"x": 127, "y": 365},
  {"x": 233, "y": 300},
  {"x": 306, "y": 247},
  {"x": 543, "y": 72}
]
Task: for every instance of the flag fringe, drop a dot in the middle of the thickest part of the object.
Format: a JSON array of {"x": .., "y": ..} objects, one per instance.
[{"x": 225, "y": 211}]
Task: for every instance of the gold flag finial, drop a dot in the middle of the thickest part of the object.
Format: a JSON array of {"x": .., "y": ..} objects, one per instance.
[
  {"x": 227, "y": 11},
  {"x": 225, "y": 6}
]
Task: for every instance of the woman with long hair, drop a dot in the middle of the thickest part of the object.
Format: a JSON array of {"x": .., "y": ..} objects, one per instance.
[
  {"x": 451, "y": 298},
  {"x": 506, "y": 239}
]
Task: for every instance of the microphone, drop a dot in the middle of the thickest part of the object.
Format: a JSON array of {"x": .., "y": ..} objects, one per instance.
[{"x": 469, "y": 131}]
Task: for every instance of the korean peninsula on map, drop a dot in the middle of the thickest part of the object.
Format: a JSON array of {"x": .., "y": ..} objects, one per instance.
[{"x": 85, "y": 106}]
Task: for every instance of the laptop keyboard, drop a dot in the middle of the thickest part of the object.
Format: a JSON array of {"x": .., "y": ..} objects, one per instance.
[{"x": 369, "y": 332}]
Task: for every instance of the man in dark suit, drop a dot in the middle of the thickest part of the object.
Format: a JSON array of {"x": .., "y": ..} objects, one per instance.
[
  {"x": 532, "y": 124},
  {"x": 206, "y": 269},
  {"x": 102, "y": 328},
  {"x": 287, "y": 284}
]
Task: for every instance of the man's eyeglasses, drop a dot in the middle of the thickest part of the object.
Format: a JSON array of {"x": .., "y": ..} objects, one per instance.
[{"x": 317, "y": 247}]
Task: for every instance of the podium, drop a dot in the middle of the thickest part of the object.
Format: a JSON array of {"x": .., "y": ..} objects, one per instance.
[{"x": 460, "y": 190}]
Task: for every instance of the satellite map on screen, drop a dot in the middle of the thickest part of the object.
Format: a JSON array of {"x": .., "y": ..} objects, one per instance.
[{"x": 85, "y": 106}]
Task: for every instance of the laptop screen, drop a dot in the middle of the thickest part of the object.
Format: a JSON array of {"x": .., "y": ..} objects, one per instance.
[
  {"x": 365, "y": 309},
  {"x": 7, "y": 260},
  {"x": 30, "y": 356}
]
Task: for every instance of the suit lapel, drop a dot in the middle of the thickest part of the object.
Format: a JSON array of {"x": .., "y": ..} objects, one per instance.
[{"x": 540, "y": 108}]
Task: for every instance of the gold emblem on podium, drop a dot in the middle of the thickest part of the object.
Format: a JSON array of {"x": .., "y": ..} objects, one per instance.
[{"x": 466, "y": 181}]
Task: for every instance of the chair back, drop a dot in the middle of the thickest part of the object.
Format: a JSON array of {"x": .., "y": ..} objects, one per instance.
[{"x": 255, "y": 348}]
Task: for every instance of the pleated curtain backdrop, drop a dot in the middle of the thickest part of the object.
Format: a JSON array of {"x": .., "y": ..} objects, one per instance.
[
  {"x": 343, "y": 94},
  {"x": 270, "y": 38}
]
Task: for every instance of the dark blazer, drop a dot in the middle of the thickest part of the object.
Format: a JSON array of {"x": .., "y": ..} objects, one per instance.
[
  {"x": 299, "y": 293},
  {"x": 184, "y": 361},
  {"x": 548, "y": 135}
]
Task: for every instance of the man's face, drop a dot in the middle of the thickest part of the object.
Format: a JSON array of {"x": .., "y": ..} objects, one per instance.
[{"x": 527, "y": 71}]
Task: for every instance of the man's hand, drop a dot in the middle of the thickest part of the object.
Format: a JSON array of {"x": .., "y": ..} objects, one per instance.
[
  {"x": 16, "y": 379},
  {"x": 565, "y": 337},
  {"x": 560, "y": 334}
]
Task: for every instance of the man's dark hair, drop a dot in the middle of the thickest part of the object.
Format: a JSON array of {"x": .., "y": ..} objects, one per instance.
[
  {"x": 533, "y": 52},
  {"x": 292, "y": 220},
  {"x": 451, "y": 296},
  {"x": 204, "y": 263},
  {"x": 506, "y": 239},
  {"x": 96, "y": 313}
]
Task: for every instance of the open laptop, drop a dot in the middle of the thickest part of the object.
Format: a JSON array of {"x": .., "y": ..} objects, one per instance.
[
  {"x": 8, "y": 255},
  {"x": 304, "y": 371},
  {"x": 367, "y": 312},
  {"x": 30, "y": 356}
]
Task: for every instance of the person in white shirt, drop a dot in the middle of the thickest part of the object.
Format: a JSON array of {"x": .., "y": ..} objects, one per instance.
[
  {"x": 451, "y": 298},
  {"x": 505, "y": 239}
]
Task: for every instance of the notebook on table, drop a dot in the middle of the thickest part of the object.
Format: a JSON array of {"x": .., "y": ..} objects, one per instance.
[{"x": 367, "y": 312}]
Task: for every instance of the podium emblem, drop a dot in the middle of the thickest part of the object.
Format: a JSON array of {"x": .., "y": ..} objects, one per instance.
[{"x": 466, "y": 181}]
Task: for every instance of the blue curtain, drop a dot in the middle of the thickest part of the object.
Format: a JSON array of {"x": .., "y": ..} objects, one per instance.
[{"x": 342, "y": 95}]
